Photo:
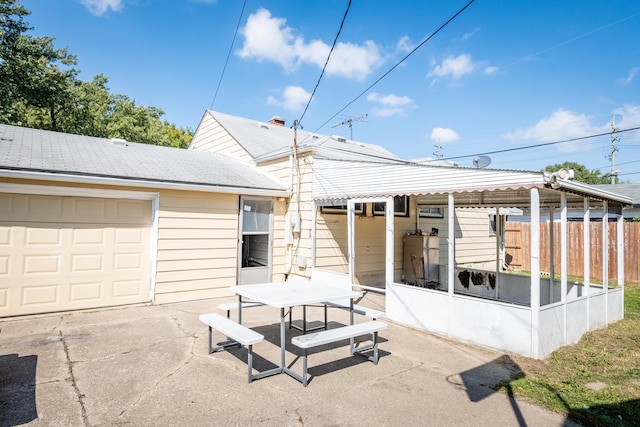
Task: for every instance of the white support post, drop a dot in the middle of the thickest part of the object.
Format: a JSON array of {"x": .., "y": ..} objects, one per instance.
[
  {"x": 620, "y": 241},
  {"x": 451, "y": 243},
  {"x": 314, "y": 220},
  {"x": 605, "y": 259},
  {"x": 552, "y": 252},
  {"x": 498, "y": 250},
  {"x": 586, "y": 250},
  {"x": 351, "y": 229},
  {"x": 389, "y": 251},
  {"x": 451, "y": 258},
  {"x": 620, "y": 247},
  {"x": 535, "y": 272},
  {"x": 564, "y": 255}
]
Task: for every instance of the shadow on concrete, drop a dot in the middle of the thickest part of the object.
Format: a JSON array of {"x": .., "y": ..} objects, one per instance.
[
  {"x": 17, "y": 389},
  {"x": 482, "y": 381}
]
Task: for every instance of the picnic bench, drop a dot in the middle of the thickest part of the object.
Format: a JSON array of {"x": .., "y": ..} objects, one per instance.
[
  {"x": 306, "y": 342},
  {"x": 228, "y": 307},
  {"x": 237, "y": 334}
]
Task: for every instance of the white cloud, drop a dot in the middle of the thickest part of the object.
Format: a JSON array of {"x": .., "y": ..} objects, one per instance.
[
  {"x": 468, "y": 35},
  {"x": 454, "y": 67},
  {"x": 268, "y": 38},
  {"x": 100, "y": 7},
  {"x": 392, "y": 105},
  {"x": 560, "y": 125},
  {"x": 632, "y": 74},
  {"x": 404, "y": 45},
  {"x": 490, "y": 70},
  {"x": 294, "y": 98},
  {"x": 628, "y": 117},
  {"x": 444, "y": 135}
]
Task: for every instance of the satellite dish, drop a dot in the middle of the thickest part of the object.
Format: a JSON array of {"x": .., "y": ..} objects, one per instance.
[{"x": 481, "y": 161}]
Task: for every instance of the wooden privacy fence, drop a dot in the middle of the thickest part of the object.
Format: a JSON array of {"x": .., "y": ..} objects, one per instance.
[{"x": 518, "y": 249}]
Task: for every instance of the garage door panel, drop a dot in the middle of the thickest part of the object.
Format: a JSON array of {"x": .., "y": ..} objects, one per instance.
[
  {"x": 96, "y": 260},
  {"x": 41, "y": 264}
]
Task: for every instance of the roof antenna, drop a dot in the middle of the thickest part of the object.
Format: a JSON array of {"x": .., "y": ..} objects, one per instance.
[{"x": 349, "y": 122}]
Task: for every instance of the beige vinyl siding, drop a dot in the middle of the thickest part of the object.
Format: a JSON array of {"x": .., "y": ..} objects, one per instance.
[
  {"x": 474, "y": 246},
  {"x": 370, "y": 237},
  {"x": 210, "y": 136},
  {"x": 197, "y": 245}
]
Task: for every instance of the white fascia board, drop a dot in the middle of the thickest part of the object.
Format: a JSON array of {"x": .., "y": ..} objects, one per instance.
[{"x": 84, "y": 179}]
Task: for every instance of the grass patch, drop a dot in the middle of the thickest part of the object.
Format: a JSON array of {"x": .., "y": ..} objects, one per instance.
[{"x": 595, "y": 382}]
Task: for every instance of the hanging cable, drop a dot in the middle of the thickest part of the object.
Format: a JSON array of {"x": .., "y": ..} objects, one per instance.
[
  {"x": 229, "y": 53},
  {"x": 396, "y": 65},
  {"x": 335, "y": 40},
  {"x": 544, "y": 144}
]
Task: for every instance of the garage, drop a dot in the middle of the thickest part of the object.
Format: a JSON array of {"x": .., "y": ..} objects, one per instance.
[{"x": 61, "y": 252}]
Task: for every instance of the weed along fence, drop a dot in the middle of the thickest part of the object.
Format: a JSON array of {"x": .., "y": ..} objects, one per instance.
[{"x": 518, "y": 245}]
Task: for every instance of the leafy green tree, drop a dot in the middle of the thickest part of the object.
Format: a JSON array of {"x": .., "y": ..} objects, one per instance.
[
  {"x": 178, "y": 137},
  {"x": 33, "y": 73},
  {"x": 39, "y": 88},
  {"x": 581, "y": 173}
]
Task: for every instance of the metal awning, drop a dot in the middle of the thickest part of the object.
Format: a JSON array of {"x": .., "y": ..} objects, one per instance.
[{"x": 343, "y": 180}]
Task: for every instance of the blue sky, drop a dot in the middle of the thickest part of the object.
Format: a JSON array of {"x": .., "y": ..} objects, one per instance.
[{"x": 502, "y": 75}]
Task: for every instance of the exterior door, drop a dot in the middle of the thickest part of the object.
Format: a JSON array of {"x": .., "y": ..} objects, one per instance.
[{"x": 255, "y": 240}]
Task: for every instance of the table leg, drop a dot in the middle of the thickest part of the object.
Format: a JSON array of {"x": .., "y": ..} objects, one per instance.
[
  {"x": 240, "y": 309},
  {"x": 351, "y": 340},
  {"x": 282, "y": 338}
]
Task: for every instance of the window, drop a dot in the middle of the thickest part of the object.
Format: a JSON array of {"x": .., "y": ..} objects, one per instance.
[
  {"x": 492, "y": 225},
  {"x": 342, "y": 209},
  {"x": 429, "y": 212},
  {"x": 400, "y": 205}
]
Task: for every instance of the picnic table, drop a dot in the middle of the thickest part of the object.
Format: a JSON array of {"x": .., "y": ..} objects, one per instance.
[{"x": 286, "y": 295}]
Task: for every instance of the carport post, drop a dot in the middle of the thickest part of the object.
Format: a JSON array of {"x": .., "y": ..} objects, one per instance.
[{"x": 535, "y": 273}]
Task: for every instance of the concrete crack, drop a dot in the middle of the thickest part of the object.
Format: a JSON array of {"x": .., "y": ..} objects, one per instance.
[{"x": 85, "y": 420}]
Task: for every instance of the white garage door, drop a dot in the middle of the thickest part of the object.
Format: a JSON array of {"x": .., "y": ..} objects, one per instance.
[{"x": 66, "y": 253}]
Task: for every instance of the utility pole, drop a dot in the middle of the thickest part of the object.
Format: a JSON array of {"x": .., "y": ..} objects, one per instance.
[
  {"x": 614, "y": 139},
  {"x": 438, "y": 153}
]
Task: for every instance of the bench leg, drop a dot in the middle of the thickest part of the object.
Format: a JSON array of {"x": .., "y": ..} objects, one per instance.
[
  {"x": 250, "y": 362},
  {"x": 374, "y": 345},
  {"x": 304, "y": 367}
]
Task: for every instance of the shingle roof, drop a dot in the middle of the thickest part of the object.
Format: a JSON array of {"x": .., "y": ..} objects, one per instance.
[
  {"x": 31, "y": 150},
  {"x": 631, "y": 190},
  {"x": 264, "y": 140}
]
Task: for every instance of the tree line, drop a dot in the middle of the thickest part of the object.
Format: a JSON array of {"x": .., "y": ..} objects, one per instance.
[{"x": 40, "y": 88}]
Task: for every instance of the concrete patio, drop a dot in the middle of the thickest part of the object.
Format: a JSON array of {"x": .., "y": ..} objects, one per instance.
[{"x": 148, "y": 365}]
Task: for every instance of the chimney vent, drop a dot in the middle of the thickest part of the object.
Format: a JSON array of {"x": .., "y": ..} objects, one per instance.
[{"x": 277, "y": 120}]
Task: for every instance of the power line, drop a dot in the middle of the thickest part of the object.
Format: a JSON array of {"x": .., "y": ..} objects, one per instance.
[
  {"x": 429, "y": 37},
  {"x": 541, "y": 145},
  {"x": 335, "y": 40},
  {"x": 229, "y": 53}
]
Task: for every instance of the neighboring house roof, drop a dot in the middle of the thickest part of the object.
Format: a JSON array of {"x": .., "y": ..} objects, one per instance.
[
  {"x": 265, "y": 141},
  {"x": 28, "y": 152},
  {"x": 631, "y": 190},
  {"x": 489, "y": 187}
]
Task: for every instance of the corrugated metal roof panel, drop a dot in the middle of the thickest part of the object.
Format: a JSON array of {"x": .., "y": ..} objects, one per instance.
[{"x": 340, "y": 180}]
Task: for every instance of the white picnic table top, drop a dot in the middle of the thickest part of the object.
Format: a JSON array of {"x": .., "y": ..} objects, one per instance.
[{"x": 293, "y": 293}]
